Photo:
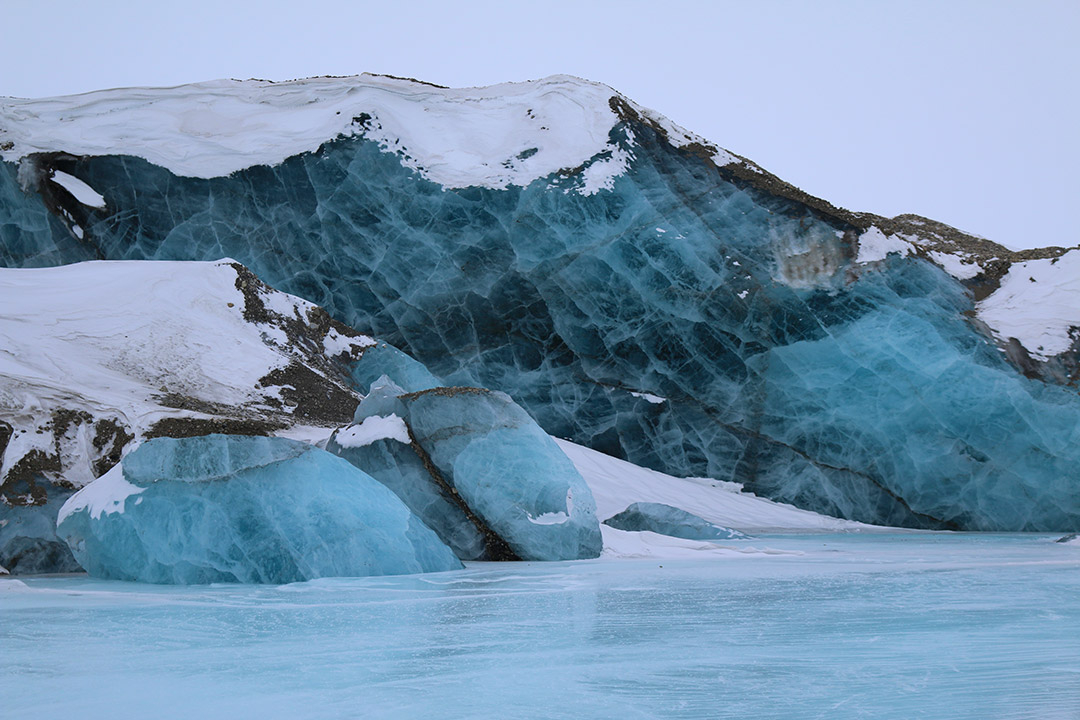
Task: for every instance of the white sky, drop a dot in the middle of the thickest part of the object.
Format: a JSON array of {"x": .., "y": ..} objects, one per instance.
[{"x": 966, "y": 112}]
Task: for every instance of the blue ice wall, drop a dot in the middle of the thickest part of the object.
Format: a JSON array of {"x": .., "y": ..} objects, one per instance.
[
  {"x": 682, "y": 282},
  {"x": 222, "y": 508}
]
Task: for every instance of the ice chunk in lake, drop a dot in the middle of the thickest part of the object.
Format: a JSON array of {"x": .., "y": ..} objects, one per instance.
[
  {"x": 223, "y": 508},
  {"x": 399, "y": 466},
  {"x": 668, "y": 520},
  {"x": 509, "y": 471},
  {"x": 477, "y": 469}
]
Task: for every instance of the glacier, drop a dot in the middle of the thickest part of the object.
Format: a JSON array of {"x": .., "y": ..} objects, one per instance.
[
  {"x": 667, "y": 520},
  {"x": 631, "y": 286},
  {"x": 477, "y": 469},
  {"x": 222, "y": 508}
]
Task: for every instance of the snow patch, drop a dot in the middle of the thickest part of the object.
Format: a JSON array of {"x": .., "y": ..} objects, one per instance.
[
  {"x": 375, "y": 427},
  {"x": 106, "y": 495},
  {"x": 649, "y": 397},
  {"x": 875, "y": 245},
  {"x": 336, "y": 344},
  {"x": 555, "y": 518},
  {"x": 80, "y": 190},
  {"x": 1038, "y": 303},
  {"x": 960, "y": 268},
  {"x": 601, "y": 174}
]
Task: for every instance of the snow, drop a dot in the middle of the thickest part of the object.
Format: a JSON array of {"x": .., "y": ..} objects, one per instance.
[
  {"x": 601, "y": 174},
  {"x": 555, "y": 518},
  {"x": 80, "y": 190},
  {"x": 875, "y": 245},
  {"x": 375, "y": 427},
  {"x": 616, "y": 484},
  {"x": 496, "y": 136},
  {"x": 105, "y": 495},
  {"x": 110, "y": 338},
  {"x": 1037, "y": 302},
  {"x": 125, "y": 332},
  {"x": 649, "y": 397},
  {"x": 960, "y": 268},
  {"x": 336, "y": 344}
]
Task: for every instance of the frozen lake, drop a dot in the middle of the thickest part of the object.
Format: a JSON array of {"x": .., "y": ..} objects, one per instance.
[{"x": 899, "y": 625}]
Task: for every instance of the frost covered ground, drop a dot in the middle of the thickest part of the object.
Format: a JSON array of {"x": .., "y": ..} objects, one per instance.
[{"x": 832, "y": 625}]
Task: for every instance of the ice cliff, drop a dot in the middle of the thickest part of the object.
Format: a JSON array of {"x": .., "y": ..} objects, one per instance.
[{"x": 633, "y": 287}]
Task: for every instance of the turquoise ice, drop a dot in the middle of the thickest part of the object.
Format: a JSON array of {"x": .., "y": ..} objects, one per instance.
[
  {"x": 673, "y": 521},
  {"x": 398, "y": 465},
  {"x": 479, "y": 470},
  {"x": 686, "y": 319},
  {"x": 223, "y": 508}
]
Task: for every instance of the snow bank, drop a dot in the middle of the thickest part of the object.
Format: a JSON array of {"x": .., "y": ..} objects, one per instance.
[
  {"x": 1037, "y": 303},
  {"x": 496, "y": 136},
  {"x": 616, "y": 484}
]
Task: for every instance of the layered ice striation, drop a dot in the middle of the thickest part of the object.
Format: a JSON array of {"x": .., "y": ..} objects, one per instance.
[
  {"x": 223, "y": 508},
  {"x": 477, "y": 469},
  {"x": 652, "y": 297},
  {"x": 673, "y": 521}
]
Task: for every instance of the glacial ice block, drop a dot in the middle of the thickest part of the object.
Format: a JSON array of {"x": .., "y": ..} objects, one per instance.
[
  {"x": 477, "y": 469},
  {"x": 509, "y": 471},
  {"x": 221, "y": 508},
  {"x": 398, "y": 466},
  {"x": 668, "y": 520}
]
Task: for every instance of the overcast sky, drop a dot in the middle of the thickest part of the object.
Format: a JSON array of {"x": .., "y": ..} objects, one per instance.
[{"x": 965, "y": 112}]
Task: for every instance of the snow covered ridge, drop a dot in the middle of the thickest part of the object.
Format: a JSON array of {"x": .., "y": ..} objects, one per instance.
[
  {"x": 94, "y": 356},
  {"x": 496, "y": 136},
  {"x": 1034, "y": 296}
]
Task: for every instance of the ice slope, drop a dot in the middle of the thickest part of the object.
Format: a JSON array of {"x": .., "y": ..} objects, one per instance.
[{"x": 653, "y": 296}]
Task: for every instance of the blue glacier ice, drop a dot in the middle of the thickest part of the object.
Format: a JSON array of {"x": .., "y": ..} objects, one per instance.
[
  {"x": 382, "y": 360},
  {"x": 401, "y": 467},
  {"x": 28, "y": 541},
  {"x": 673, "y": 521},
  {"x": 694, "y": 318},
  {"x": 478, "y": 470},
  {"x": 221, "y": 508}
]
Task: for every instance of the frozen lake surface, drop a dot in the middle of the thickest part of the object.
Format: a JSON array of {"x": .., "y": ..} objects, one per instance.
[{"x": 899, "y": 625}]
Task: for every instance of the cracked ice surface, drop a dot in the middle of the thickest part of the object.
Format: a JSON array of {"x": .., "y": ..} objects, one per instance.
[{"x": 853, "y": 625}]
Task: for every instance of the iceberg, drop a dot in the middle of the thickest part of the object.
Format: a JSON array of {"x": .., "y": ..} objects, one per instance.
[
  {"x": 222, "y": 508},
  {"x": 673, "y": 521},
  {"x": 477, "y": 469}
]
